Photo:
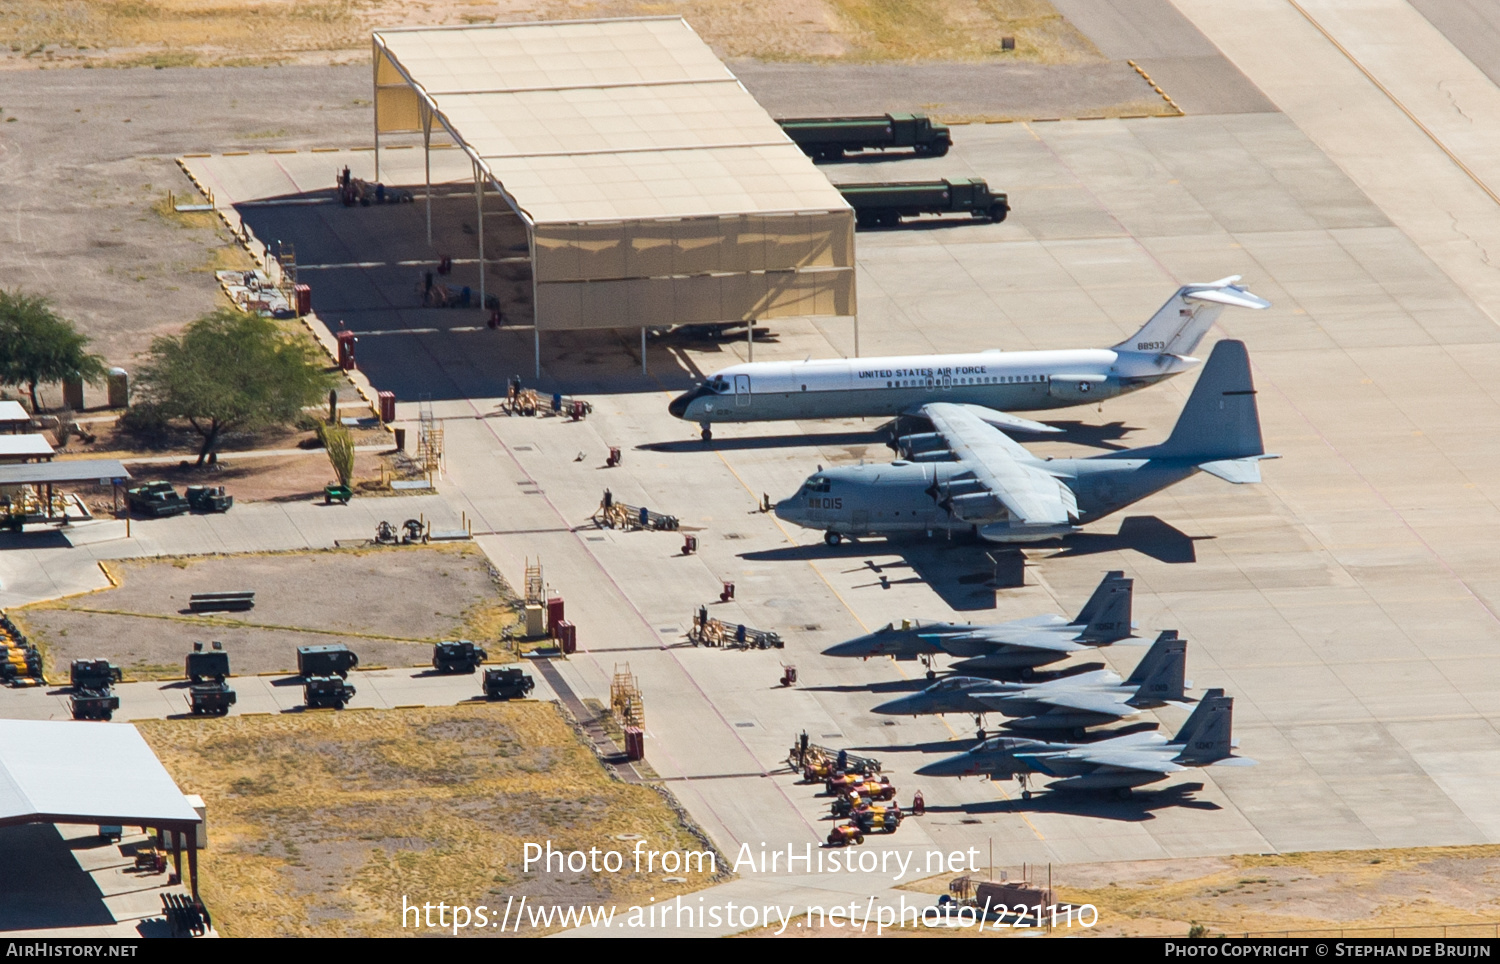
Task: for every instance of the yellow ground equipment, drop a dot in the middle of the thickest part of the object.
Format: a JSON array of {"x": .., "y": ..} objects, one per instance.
[
  {"x": 708, "y": 631},
  {"x": 844, "y": 835}
]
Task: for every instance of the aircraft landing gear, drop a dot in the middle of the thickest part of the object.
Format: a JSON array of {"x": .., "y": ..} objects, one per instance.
[
  {"x": 706, "y": 431},
  {"x": 979, "y": 727},
  {"x": 1123, "y": 793},
  {"x": 927, "y": 662},
  {"x": 1025, "y": 780},
  {"x": 832, "y": 538},
  {"x": 1027, "y": 672}
]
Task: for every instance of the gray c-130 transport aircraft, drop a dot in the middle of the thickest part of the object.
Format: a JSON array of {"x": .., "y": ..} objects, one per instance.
[
  {"x": 967, "y": 476},
  {"x": 989, "y": 383}
]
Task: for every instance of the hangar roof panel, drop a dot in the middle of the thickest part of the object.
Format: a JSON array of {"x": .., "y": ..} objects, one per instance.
[
  {"x": 603, "y": 120},
  {"x": 67, "y": 772},
  {"x": 501, "y": 57}
]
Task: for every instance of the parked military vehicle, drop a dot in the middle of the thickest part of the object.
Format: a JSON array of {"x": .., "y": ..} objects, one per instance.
[
  {"x": 207, "y": 664},
  {"x": 93, "y": 704},
  {"x": 457, "y": 656},
  {"x": 830, "y": 138},
  {"x": 326, "y": 692},
  {"x": 156, "y": 499},
  {"x": 506, "y": 684},
  {"x": 211, "y": 699},
  {"x": 93, "y": 674},
  {"x": 208, "y": 498},
  {"x": 335, "y": 659},
  {"x": 884, "y": 205}
]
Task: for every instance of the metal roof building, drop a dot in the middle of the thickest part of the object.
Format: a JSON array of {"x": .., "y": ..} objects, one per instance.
[
  {"x": 89, "y": 773},
  {"x": 654, "y": 188}
]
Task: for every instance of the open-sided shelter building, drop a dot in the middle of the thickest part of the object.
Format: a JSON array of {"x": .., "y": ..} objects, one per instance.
[{"x": 654, "y": 189}]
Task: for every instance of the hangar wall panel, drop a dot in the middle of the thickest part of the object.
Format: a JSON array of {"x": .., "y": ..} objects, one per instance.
[
  {"x": 701, "y": 299},
  {"x": 645, "y": 249}
]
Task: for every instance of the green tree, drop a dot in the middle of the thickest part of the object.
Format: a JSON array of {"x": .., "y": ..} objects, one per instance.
[
  {"x": 38, "y": 346},
  {"x": 230, "y": 371}
]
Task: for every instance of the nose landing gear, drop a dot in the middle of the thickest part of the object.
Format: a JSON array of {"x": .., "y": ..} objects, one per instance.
[
  {"x": 833, "y": 538},
  {"x": 706, "y": 431}
]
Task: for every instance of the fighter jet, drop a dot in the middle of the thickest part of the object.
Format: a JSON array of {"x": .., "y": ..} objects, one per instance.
[
  {"x": 1021, "y": 644},
  {"x": 1119, "y": 764},
  {"x": 968, "y": 477},
  {"x": 989, "y": 383},
  {"x": 1070, "y": 703}
]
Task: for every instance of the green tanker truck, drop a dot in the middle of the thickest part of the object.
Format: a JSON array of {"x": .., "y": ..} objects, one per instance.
[
  {"x": 830, "y": 138},
  {"x": 884, "y": 205}
]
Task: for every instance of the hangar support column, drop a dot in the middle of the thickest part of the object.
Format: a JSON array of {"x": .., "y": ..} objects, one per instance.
[
  {"x": 479, "y": 202},
  {"x": 427, "y": 165}
]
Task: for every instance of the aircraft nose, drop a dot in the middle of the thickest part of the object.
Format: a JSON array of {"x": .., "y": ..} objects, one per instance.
[
  {"x": 787, "y": 510},
  {"x": 859, "y": 647},
  {"x": 913, "y": 705},
  {"x": 678, "y": 406},
  {"x": 961, "y": 765}
]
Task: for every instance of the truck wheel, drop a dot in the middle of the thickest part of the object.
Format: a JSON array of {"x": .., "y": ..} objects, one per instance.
[
  {"x": 889, "y": 219},
  {"x": 833, "y": 153},
  {"x": 998, "y": 213},
  {"x": 940, "y": 148}
]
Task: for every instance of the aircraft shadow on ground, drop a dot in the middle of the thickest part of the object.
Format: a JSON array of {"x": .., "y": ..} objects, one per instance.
[
  {"x": 1146, "y": 534},
  {"x": 1082, "y": 433},
  {"x": 893, "y": 686},
  {"x": 1101, "y": 806},
  {"x": 960, "y": 571}
]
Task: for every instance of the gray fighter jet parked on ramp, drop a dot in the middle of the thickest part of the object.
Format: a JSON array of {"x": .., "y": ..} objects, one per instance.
[
  {"x": 1071, "y": 703},
  {"x": 966, "y": 476},
  {"x": 1021, "y": 644},
  {"x": 1119, "y": 764}
]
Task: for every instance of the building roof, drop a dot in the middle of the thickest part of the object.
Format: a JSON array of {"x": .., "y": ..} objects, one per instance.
[
  {"x": 74, "y": 471},
  {"x": 599, "y": 120},
  {"x": 12, "y": 412},
  {"x": 67, "y": 772},
  {"x": 24, "y": 446}
]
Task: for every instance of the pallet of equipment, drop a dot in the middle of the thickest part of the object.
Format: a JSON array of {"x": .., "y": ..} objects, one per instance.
[
  {"x": 805, "y": 755},
  {"x": 613, "y": 514},
  {"x": 708, "y": 631}
]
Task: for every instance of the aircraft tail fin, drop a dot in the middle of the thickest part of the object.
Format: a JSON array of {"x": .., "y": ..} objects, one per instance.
[
  {"x": 1213, "y": 738},
  {"x": 1105, "y": 618},
  {"x": 1181, "y": 323},
  {"x": 1195, "y": 721},
  {"x": 1161, "y": 675},
  {"x": 1220, "y": 421}
]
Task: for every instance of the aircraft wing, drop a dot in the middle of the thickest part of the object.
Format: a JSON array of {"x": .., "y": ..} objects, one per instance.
[
  {"x": 1084, "y": 701},
  {"x": 1048, "y": 642},
  {"x": 1127, "y": 760},
  {"x": 1006, "y": 472}
]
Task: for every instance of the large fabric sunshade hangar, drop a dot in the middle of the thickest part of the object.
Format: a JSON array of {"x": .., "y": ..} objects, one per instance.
[{"x": 654, "y": 188}]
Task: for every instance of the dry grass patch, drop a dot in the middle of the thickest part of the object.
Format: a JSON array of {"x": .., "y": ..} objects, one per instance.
[
  {"x": 1321, "y": 891},
  {"x": 182, "y": 33},
  {"x": 321, "y": 822}
]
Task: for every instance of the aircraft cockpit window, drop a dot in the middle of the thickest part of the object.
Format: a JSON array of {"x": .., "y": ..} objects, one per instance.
[
  {"x": 817, "y": 484},
  {"x": 719, "y": 385}
]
